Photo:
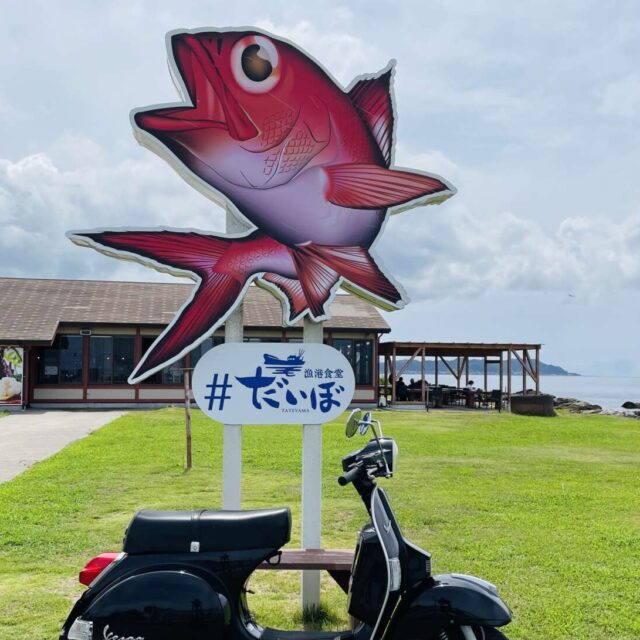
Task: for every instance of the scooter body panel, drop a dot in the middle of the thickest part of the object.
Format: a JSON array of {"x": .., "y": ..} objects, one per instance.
[
  {"x": 158, "y": 597},
  {"x": 448, "y": 599},
  {"x": 159, "y": 605}
]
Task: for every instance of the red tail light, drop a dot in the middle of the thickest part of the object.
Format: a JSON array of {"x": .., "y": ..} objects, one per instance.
[{"x": 96, "y": 566}]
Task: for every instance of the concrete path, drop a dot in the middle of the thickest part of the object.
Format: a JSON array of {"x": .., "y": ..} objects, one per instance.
[{"x": 30, "y": 436}]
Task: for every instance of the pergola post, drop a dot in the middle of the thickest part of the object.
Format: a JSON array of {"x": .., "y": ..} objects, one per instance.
[
  {"x": 436, "y": 371},
  {"x": 524, "y": 372},
  {"x": 509, "y": 376},
  {"x": 537, "y": 370},
  {"x": 422, "y": 374},
  {"x": 393, "y": 376},
  {"x": 501, "y": 374},
  {"x": 386, "y": 375},
  {"x": 485, "y": 374},
  {"x": 458, "y": 371}
]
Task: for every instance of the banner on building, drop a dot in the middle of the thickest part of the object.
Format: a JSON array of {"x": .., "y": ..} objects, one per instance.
[
  {"x": 273, "y": 383},
  {"x": 11, "y": 375}
]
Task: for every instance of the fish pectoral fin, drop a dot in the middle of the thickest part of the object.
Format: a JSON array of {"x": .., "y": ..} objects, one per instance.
[
  {"x": 360, "y": 271},
  {"x": 292, "y": 289},
  {"x": 317, "y": 279},
  {"x": 369, "y": 186}
]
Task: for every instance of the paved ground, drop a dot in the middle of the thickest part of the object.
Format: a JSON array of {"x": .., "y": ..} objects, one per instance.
[{"x": 30, "y": 436}]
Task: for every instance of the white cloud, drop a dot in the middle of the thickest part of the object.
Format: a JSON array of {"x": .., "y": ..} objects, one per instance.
[
  {"x": 40, "y": 202},
  {"x": 459, "y": 249}
]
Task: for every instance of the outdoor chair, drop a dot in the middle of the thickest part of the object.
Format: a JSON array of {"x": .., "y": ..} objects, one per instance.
[
  {"x": 496, "y": 398},
  {"x": 435, "y": 397}
]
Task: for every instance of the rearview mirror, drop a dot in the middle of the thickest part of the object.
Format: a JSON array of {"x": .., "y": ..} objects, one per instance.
[
  {"x": 365, "y": 423},
  {"x": 352, "y": 423}
]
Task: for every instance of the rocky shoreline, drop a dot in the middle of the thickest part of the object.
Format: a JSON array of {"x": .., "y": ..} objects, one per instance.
[{"x": 628, "y": 409}]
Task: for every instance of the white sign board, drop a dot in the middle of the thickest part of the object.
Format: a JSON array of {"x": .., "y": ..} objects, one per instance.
[{"x": 273, "y": 383}]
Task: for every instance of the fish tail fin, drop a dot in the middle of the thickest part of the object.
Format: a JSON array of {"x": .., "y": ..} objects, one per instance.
[
  {"x": 196, "y": 253},
  {"x": 357, "y": 267}
]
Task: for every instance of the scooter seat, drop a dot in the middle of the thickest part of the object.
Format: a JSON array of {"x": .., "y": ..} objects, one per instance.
[{"x": 202, "y": 531}]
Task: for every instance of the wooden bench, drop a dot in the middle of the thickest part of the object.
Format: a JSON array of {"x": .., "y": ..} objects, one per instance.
[{"x": 337, "y": 562}]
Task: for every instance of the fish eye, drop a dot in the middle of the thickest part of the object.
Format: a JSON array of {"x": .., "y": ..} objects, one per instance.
[{"x": 255, "y": 64}]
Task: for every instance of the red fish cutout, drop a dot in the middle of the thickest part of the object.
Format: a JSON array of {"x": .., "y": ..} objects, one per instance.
[{"x": 265, "y": 130}]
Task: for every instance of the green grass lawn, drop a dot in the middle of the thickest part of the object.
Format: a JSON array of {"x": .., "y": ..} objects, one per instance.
[{"x": 548, "y": 509}]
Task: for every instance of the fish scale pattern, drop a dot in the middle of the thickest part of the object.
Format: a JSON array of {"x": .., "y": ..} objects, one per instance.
[
  {"x": 296, "y": 152},
  {"x": 276, "y": 125},
  {"x": 269, "y": 163}
]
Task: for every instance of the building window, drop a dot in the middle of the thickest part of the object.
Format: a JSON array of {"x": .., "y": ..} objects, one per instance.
[
  {"x": 110, "y": 359},
  {"x": 359, "y": 353},
  {"x": 171, "y": 375},
  {"x": 62, "y": 362},
  {"x": 203, "y": 347}
]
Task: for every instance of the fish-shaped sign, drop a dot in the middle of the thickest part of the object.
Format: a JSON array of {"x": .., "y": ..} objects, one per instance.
[{"x": 266, "y": 131}]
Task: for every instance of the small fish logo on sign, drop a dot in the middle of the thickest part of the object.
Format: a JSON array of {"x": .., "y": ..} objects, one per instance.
[{"x": 266, "y": 131}]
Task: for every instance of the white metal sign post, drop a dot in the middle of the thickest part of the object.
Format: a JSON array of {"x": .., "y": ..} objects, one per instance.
[
  {"x": 232, "y": 435},
  {"x": 311, "y": 487}
]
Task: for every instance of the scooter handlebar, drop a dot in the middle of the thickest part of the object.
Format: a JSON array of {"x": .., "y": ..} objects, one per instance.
[{"x": 349, "y": 476}]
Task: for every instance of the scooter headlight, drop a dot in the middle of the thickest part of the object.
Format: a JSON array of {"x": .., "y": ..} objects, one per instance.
[{"x": 81, "y": 630}]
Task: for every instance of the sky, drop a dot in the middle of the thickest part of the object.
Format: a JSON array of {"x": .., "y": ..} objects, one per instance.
[{"x": 531, "y": 109}]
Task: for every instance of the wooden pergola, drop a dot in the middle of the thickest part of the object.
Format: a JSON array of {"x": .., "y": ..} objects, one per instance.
[{"x": 501, "y": 354}]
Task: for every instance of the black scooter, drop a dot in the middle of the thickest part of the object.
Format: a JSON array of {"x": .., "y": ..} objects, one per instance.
[{"x": 183, "y": 574}]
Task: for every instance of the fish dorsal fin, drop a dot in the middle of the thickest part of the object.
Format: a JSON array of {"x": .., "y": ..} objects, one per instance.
[{"x": 372, "y": 98}]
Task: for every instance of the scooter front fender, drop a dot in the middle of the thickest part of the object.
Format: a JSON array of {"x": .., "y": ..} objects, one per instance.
[{"x": 449, "y": 599}]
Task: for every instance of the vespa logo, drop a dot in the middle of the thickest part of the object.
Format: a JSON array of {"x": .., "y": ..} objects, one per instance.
[{"x": 109, "y": 635}]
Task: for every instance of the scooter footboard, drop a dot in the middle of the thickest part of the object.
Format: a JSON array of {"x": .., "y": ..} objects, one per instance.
[
  {"x": 158, "y": 605},
  {"x": 449, "y": 599}
]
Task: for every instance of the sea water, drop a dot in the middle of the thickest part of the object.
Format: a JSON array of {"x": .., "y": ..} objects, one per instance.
[{"x": 608, "y": 392}]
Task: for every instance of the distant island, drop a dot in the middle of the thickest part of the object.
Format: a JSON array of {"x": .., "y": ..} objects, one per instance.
[{"x": 476, "y": 367}]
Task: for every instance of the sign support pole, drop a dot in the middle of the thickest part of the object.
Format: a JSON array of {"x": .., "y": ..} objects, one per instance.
[
  {"x": 311, "y": 487},
  {"x": 232, "y": 436}
]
